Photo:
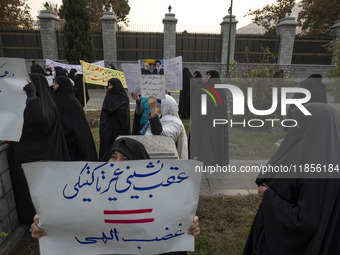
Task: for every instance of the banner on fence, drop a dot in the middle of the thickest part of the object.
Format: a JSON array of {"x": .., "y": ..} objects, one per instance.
[
  {"x": 130, "y": 207},
  {"x": 13, "y": 74},
  {"x": 94, "y": 74},
  {"x": 51, "y": 64}
]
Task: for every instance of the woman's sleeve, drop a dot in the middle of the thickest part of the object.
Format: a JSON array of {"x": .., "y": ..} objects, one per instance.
[
  {"x": 294, "y": 223},
  {"x": 155, "y": 125},
  {"x": 139, "y": 108}
]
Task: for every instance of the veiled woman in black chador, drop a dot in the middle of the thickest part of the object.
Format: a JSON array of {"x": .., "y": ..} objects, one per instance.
[
  {"x": 184, "y": 97},
  {"x": 42, "y": 138},
  {"x": 115, "y": 115},
  {"x": 300, "y": 215},
  {"x": 77, "y": 132},
  {"x": 79, "y": 90}
]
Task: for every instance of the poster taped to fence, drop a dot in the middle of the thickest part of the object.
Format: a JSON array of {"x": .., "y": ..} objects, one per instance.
[
  {"x": 130, "y": 207},
  {"x": 13, "y": 75},
  {"x": 100, "y": 75}
]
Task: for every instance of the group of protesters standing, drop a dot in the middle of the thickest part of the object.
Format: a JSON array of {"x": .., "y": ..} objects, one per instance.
[{"x": 296, "y": 215}]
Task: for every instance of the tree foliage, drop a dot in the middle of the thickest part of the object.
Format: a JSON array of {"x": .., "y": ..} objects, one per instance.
[
  {"x": 270, "y": 15},
  {"x": 77, "y": 33},
  {"x": 317, "y": 16},
  {"x": 15, "y": 14},
  {"x": 333, "y": 86},
  {"x": 120, "y": 8}
]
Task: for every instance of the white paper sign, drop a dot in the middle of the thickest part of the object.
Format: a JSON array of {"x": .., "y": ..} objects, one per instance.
[
  {"x": 50, "y": 80},
  {"x": 51, "y": 64},
  {"x": 13, "y": 74},
  {"x": 173, "y": 71},
  {"x": 132, "y": 76},
  {"x": 131, "y": 207},
  {"x": 152, "y": 85}
]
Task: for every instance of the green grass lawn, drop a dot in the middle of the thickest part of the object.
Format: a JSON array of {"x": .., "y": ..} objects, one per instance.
[{"x": 225, "y": 223}]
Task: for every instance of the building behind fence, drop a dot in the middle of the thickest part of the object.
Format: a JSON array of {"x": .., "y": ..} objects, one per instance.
[{"x": 199, "y": 50}]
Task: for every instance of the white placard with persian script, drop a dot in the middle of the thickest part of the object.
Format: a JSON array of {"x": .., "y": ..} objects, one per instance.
[
  {"x": 131, "y": 207},
  {"x": 13, "y": 74},
  {"x": 152, "y": 85},
  {"x": 173, "y": 70},
  {"x": 132, "y": 76}
]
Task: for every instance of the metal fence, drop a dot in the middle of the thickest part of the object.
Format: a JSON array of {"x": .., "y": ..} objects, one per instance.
[
  {"x": 193, "y": 47},
  {"x": 256, "y": 48},
  {"x": 97, "y": 40},
  {"x": 20, "y": 44},
  {"x": 132, "y": 46},
  {"x": 311, "y": 50},
  {"x": 199, "y": 47}
]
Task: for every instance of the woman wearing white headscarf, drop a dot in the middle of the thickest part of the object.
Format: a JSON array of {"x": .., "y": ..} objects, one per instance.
[{"x": 165, "y": 121}]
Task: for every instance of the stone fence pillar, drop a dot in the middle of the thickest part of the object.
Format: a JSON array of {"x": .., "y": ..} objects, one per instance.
[
  {"x": 286, "y": 30},
  {"x": 49, "y": 23},
  {"x": 225, "y": 39},
  {"x": 169, "y": 22},
  {"x": 109, "y": 28}
]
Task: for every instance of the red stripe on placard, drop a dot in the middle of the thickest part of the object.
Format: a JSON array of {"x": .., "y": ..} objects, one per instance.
[
  {"x": 130, "y": 221},
  {"x": 106, "y": 212}
]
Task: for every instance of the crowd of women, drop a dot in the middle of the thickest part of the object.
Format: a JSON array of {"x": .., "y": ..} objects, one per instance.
[{"x": 298, "y": 215}]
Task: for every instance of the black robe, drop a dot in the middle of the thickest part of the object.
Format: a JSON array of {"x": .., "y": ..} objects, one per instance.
[
  {"x": 42, "y": 139},
  {"x": 115, "y": 116},
  {"x": 299, "y": 215},
  {"x": 79, "y": 90},
  {"x": 207, "y": 143},
  {"x": 77, "y": 132},
  {"x": 184, "y": 96}
]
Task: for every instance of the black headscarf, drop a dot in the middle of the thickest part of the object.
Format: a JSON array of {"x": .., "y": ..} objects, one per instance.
[
  {"x": 130, "y": 148},
  {"x": 72, "y": 73},
  {"x": 318, "y": 92},
  {"x": 42, "y": 139},
  {"x": 184, "y": 97},
  {"x": 77, "y": 132},
  {"x": 115, "y": 116},
  {"x": 214, "y": 77},
  {"x": 79, "y": 90},
  {"x": 299, "y": 215},
  {"x": 59, "y": 71},
  {"x": 198, "y": 74}
]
